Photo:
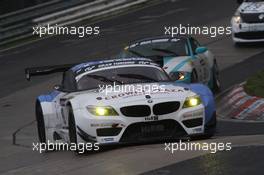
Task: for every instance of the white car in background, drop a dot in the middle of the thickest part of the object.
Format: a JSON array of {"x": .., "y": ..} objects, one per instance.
[{"x": 248, "y": 22}]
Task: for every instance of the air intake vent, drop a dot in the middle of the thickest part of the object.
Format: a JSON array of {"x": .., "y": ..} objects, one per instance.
[
  {"x": 166, "y": 108},
  {"x": 136, "y": 111},
  {"x": 193, "y": 122},
  {"x": 251, "y": 17}
]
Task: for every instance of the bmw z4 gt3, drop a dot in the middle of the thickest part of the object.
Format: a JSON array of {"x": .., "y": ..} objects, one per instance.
[{"x": 79, "y": 112}]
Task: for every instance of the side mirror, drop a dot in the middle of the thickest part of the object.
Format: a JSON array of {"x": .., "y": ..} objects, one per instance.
[
  {"x": 240, "y": 1},
  {"x": 61, "y": 88},
  {"x": 173, "y": 76},
  {"x": 200, "y": 50}
]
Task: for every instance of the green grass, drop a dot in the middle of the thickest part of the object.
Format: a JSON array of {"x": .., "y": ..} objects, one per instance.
[{"x": 255, "y": 85}]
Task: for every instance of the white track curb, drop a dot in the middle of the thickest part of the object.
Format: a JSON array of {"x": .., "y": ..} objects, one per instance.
[{"x": 239, "y": 106}]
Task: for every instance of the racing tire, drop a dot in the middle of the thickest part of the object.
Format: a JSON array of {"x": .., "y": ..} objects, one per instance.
[
  {"x": 72, "y": 127},
  {"x": 72, "y": 130},
  {"x": 40, "y": 123},
  {"x": 216, "y": 79},
  {"x": 194, "y": 77}
]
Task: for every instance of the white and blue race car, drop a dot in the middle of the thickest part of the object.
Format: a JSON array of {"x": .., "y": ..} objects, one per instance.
[
  {"x": 86, "y": 109},
  {"x": 182, "y": 57}
]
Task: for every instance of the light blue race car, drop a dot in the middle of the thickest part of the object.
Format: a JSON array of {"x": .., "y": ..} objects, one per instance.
[{"x": 182, "y": 57}]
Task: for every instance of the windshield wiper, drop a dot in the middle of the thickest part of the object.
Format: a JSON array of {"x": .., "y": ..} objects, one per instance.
[
  {"x": 137, "y": 76},
  {"x": 136, "y": 53},
  {"x": 165, "y": 51},
  {"x": 103, "y": 79}
]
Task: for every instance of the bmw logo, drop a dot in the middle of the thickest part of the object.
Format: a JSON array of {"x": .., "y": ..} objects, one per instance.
[
  {"x": 150, "y": 101},
  {"x": 261, "y": 16}
]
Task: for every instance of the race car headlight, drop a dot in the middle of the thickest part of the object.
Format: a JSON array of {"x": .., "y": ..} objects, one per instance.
[
  {"x": 237, "y": 19},
  {"x": 178, "y": 75},
  {"x": 192, "y": 102},
  {"x": 102, "y": 110}
]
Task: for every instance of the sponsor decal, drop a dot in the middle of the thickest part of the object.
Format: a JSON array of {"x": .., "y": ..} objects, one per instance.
[
  {"x": 86, "y": 67},
  {"x": 113, "y": 125},
  {"x": 136, "y": 93},
  {"x": 152, "y": 118},
  {"x": 108, "y": 139}
]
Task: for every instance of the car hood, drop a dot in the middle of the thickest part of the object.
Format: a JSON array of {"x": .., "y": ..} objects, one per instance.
[
  {"x": 252, "y": 7},
  {"x": 166, "y": 92}
]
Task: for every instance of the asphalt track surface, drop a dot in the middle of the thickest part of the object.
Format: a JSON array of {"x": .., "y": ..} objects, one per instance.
[{"x": 17, "y": 98}]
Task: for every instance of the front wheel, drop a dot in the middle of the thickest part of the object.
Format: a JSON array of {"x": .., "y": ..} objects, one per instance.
[
  {"x": 194, "y": 77},
  {"x": 72, "y": 132},
  {"x": 40, "y": 123},
  {"x": 72, "y": 127},
  {"x": 216, "y": 79}
]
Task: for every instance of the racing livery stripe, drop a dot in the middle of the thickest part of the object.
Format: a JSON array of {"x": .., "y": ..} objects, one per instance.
[
  {"x": 49, "y": 97},
  {"x": 181, "y": 64}
]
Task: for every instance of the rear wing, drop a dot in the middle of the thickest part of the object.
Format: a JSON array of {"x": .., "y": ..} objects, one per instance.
[{"x": 45, "y": 70}]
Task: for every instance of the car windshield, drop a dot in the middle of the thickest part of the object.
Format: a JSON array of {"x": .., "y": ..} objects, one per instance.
[
  {"x": 156, "y": 49},
  {"x": 122, "y": 75}
]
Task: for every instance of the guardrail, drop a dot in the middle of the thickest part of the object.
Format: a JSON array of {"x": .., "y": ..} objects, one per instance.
[{"x": 19, "y": 25}]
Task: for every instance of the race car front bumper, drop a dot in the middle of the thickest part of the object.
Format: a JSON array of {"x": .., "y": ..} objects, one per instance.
[
  {"x": 248, "y": 32},
  {"x": 122, "y": 129}
]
